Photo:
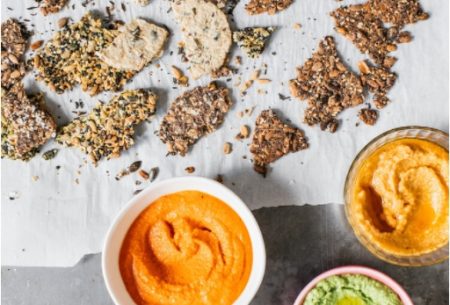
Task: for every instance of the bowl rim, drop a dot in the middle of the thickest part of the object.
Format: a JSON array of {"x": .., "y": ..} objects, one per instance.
[
  {"x": 110, "y": 266},
  {"x": 357, "y": 269},
  {"x": 352, "y": 166}
]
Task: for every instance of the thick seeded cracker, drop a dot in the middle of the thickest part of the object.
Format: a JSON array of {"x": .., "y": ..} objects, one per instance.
[
  {"x": 70, "y": 58},
  {"x": 378, "y": 80},
  {"x": 26, "y": 125},
  {"x": 255, "y": 7},
  {"x": 398, "y": 12},
  {"x": 13, "y": 44},
  {"x": 327, "y": 85},
  {"x": 252, "y": 40},
  {"x": 273, "y": 139},
  {"x": 109, "y": 128},
  {"x": 367, "y": 32},
  {"x": 192, "y": 115}
]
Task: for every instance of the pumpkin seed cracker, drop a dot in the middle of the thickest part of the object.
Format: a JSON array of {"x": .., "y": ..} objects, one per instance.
[{"x": 109, "y": 128}]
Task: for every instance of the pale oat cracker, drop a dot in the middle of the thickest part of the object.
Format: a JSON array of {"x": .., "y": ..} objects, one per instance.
[
  {"x": 138, "y": 43},
  {"x": 207, "y": 35}
]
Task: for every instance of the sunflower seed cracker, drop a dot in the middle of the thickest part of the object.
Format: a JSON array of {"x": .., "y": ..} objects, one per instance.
[
  {"x": 109, "y": 128},
  {"x": 273, "y": 139},
  {"x": 252, "y": 40},
  {"x": 207, "y": 35},
  {"x": 192, "y": 115},
  {"x": 328, "y": 86},
  {"x": 26, "y": 125}
]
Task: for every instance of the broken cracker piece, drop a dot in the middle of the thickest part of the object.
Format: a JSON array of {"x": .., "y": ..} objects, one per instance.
[
  {"x": 51, "y": 6},
  {"x": 207, "y": 35},
  {"x": 109, "y": 128},
  {"x": 252, "y": 40},
  {"x": 378, "y": 80},
  {"x": 26, "y": 125},
  {"x": 13, "y": 44},
  {"x": 69, "y": 58},
  {"x": 328, "y": 86},
  {"x": 138, "y": 43},
  {"x": 368, "y": 116},
  {"x": 192, "y": 115},
  {"x": 273, "y": 139},
  {"x": 398, "y": 12},
  {"x": 367, "y": 32},
  {"x": 255, "y": 7}
]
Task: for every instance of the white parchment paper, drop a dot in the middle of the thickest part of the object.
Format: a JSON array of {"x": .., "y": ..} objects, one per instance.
[{"x": 55, "y": 221}]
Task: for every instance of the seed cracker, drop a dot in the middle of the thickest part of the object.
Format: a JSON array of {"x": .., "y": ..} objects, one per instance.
[
  {"x": 273, "y": 139},
  {"x": 252, "y": 40},
  {"x": 109, "y": 128},
  {"x": 398, "y": 12},
  {"x": 13, "y": 44},
  {"x": 328, "y": 86},
  {"x": 192, "y": 115},
  {"x": 206, "y": 34},
  {"x": 138, "y": 43},
  {"x": 255, "y": 7},
  {"x": 26, "y": 125},
  {"x": 51, "y": 6},
  {"x": 378, "y": 80},
  {"x": 70, "y": 59},
  {"x": 367, "y": 32}
]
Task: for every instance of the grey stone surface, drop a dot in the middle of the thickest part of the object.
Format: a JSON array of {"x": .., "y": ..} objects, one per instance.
[{"x": 301, "y": 242}]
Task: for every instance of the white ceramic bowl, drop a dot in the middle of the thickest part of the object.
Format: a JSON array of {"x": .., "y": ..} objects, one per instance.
[{"x": 119, "y": 228}]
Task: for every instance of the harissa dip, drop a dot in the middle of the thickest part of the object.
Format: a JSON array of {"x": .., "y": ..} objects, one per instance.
[{"x": 186, "y": 248}]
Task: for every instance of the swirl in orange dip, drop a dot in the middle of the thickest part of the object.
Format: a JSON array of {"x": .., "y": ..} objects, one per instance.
[
  {"x": 186, "y": 248},
  {"x": 400, "y": 197}
]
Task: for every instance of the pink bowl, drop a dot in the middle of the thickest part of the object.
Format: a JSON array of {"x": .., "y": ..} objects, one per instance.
[{"x": 372, "y": 273}]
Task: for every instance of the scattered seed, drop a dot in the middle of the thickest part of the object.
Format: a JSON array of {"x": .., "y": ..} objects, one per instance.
[
  {"x": 263, "y": 80},
  {"x": 190, "y": 169},
  {"x": 227, "y": 148},
  {"x": 50, "y": 154},
  {"x": 144, "y": 174},
  {"x": 36, "y": 45},
  {"x": 63, "y": 22},
  {"x": 134, "y": 166},
  {"x": 154, "y": 173}
]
